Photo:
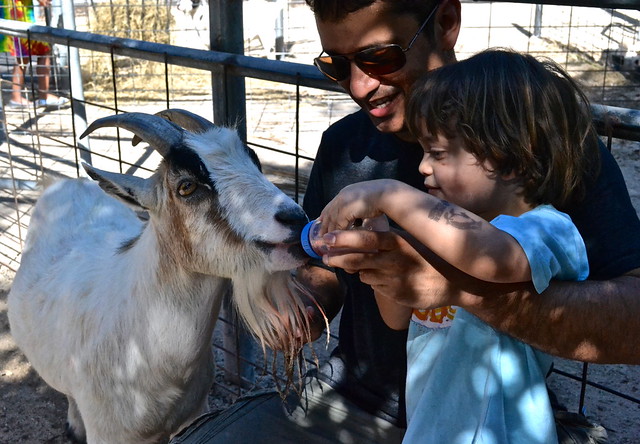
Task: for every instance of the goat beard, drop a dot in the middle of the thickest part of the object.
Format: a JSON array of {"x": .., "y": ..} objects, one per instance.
[{"x": 275, "y": 308}]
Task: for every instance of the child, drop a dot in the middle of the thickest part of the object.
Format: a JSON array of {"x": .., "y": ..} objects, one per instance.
[
  {"x": 506, "y": 140},
  {"x": 23, "y": 49}
]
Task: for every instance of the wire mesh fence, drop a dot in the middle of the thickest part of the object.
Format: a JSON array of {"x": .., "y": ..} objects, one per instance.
[
  {"x": 597, "y": 45},
  {"x": 285, "y": 118}
]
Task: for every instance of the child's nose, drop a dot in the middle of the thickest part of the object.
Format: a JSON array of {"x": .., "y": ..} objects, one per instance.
[{"x": 425, "y": 167}]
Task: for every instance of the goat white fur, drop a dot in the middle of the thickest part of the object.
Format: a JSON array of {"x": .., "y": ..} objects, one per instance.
[{"x": 118, "y": 314}]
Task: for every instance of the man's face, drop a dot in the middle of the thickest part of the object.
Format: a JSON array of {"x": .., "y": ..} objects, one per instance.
[{"x": 381, "y": 97}]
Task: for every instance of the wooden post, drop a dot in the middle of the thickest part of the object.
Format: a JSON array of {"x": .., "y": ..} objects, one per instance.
[{"x": 226, "y": 34}]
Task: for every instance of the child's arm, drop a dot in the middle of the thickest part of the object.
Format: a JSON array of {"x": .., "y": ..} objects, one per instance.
[{"x": 458, "y": 236}]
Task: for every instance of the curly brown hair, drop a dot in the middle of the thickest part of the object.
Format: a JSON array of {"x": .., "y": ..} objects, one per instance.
[{"x": 526, "y": 116}]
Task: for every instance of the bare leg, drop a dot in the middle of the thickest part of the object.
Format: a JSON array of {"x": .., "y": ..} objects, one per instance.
[
  {"x": 42, "y": 71},
  {"x": 18, "y": 82},
  {"x": 45, "y": 97}
]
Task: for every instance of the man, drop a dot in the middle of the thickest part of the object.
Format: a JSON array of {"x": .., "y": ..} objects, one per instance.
[
  {"x": 376, "y": 49},
  {"x": 588, "y": 321}
]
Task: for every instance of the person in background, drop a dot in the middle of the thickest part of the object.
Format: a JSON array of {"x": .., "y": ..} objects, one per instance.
[
  {"x": 23, "y": 49},
  {"x": 505, "y": 138}
]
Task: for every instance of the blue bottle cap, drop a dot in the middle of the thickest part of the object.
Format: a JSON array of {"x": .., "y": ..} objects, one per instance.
[{"x": 306, "y": 243}]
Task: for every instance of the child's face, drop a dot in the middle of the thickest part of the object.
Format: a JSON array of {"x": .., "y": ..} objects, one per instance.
[{"x": 454, "y": 174}]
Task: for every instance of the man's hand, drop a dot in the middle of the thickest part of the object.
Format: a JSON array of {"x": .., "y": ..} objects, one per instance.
[
  {"x": 399, "y": 270},
  {"x": 320, "y": 290}
]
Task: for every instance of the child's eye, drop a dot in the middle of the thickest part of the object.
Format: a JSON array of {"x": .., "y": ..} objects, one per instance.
[{"x": 437, "y": 155}]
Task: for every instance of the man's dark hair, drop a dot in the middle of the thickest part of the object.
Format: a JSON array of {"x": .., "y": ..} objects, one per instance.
[{"x": 336, "y": 10}]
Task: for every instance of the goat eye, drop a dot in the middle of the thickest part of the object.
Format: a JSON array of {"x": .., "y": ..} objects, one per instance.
[{"x": 186, "y": 188}]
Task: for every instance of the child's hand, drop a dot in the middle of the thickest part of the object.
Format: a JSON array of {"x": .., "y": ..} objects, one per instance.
[{"x": 354, "y": 203}]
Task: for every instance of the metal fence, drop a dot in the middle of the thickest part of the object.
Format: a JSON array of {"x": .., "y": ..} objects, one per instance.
[{"x": 288, "y": 104}]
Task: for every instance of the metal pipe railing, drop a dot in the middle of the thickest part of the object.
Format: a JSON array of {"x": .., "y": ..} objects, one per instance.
[
  {"x": 235, "y": 64},
  {"x": 614, "y": 4},
  {"x": 611, "y": 121},
  {"x": 621, "y": 123}
]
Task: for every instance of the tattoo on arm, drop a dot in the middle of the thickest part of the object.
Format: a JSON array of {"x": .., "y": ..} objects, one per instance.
[
  {"x": 437, "y": 211},
  {"x": 461, "y": 220},
  {"x": 457, "y": 219}
]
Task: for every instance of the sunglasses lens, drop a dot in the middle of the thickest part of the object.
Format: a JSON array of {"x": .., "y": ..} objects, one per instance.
[
  {"x": 382, "y": 60},
  {"x": 337, "y": 68},
  {"x": 376, "y": 61}
]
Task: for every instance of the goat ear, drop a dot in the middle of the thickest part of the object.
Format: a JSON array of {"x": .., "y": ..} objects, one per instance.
[
  {"x": 254, "y": 157},
  {"x": 132, "y": 190}
]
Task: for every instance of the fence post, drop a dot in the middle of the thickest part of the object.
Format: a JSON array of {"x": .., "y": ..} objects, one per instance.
[
  {"x": 279, "y": 44},
  {"x": 537, "y": 23},
  {"x": 226, "y": 34},
  {"x": 75, "y": 85},
  {"x": 228, "y": 95}
]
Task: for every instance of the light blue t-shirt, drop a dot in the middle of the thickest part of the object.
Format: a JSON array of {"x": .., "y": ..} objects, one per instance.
[{"x": 468, "y": 383}]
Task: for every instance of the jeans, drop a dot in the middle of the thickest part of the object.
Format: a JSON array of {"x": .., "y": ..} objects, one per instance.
[{"x": 319, "y": 415}]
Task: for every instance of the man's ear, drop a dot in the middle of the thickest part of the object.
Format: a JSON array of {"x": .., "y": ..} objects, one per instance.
[{"x": 448, "y": 19}]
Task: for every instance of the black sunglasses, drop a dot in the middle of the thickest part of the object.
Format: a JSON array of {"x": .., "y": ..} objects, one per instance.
[{"x": 374, "y": 61}]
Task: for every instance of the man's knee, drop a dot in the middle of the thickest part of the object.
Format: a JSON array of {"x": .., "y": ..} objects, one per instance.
[
  {"x": 248, "y": 418},
  {"x": 319, "y": 416}
]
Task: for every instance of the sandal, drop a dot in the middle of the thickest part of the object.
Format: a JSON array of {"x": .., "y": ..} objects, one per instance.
[{"x": 16, "y": 104}]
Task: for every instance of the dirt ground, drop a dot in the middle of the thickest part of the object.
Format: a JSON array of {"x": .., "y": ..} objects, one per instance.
[{"x": 30, "y": 411}]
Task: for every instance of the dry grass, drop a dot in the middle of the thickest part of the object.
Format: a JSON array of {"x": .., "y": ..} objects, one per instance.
[
  {"x": 137, "y": 80},
  {"x": 149, "y": 21}
]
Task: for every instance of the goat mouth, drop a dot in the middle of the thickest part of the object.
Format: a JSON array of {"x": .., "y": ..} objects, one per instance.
[
  {"x": 263, "y": 245},
  {"x": 293, "y": 248}
]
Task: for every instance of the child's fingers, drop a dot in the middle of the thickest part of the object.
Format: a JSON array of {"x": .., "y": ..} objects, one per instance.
[
  {"x": 357, "y": 240},
  {"x": 334, "y": 217}
]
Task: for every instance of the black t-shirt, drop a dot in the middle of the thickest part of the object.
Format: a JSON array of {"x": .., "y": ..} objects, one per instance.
[{"x": 369, "y": 364}]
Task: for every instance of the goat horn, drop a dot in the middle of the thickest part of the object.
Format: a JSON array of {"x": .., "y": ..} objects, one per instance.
[
  {"x": 162, "y": 135},
  {"x": 186, "y": 119}
]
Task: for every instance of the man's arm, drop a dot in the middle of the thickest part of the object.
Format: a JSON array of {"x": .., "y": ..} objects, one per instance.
[
  {"x": 396, "y": 316},
  {"x": 590, "y": 321}
]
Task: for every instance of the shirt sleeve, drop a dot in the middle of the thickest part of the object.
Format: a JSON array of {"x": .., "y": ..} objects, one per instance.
[{"x": 552, "y": 243}]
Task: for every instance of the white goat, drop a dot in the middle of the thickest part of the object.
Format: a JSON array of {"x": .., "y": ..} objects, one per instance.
[{"x": 118, "y": 315}]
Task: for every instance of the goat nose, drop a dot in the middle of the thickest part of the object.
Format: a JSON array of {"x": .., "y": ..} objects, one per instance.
[{"x": 292, "y": 216}]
